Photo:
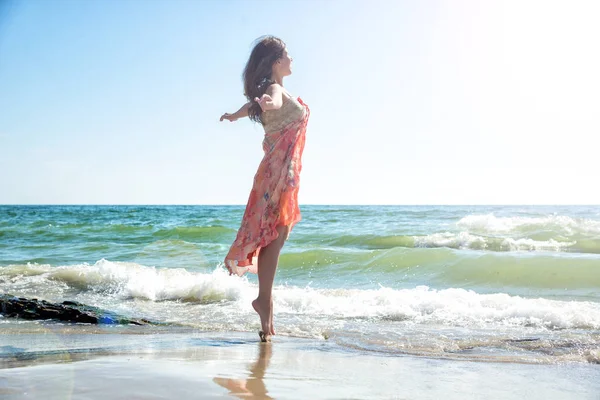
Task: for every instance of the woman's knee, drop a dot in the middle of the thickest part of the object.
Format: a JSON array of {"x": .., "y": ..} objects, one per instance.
[{"x": 283, "y": 231}]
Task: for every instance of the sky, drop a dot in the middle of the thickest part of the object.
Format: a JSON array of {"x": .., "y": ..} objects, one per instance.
[{"x": 428, "y": 102}]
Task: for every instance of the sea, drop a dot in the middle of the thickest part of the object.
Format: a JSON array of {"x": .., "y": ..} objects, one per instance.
[{"x": 493, "y": 283}]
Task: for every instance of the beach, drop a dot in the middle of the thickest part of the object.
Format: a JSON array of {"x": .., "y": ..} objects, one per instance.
[
  {"x": 94, "y": 363},
  {"x": 370, "y": 302}
]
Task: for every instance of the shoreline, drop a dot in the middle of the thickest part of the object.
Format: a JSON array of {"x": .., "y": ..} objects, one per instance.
[
  {"x": 95, "y": 362},
  {"x": 27, "y": 342}
]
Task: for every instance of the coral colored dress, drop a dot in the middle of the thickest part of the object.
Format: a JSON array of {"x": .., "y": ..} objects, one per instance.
[{"x": 273, "y": 200}]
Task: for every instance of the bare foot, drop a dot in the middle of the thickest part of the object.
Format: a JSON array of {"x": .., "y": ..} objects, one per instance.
[
  {"x": 235, "y": 386},
  {"x": 264, "y": 311}
]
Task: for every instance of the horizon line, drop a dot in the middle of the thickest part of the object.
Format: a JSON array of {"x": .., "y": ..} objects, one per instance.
[{"x": 306, "y": 204}]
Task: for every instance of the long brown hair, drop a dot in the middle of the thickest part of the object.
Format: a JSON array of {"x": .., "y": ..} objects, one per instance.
[{"x": 258, "y": 70}]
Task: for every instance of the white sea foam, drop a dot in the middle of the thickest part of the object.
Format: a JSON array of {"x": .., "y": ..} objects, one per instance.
[
  {"x": 561, "y": 224},
  {"x": 451, "y": 306},
  {"x": 126, "y": 279},
  {"x": 423, "y": 305},
  {"x": 465, "y": 240},
  {"x": 535, "y": 245},
  {"x": 454, "y": 240}
]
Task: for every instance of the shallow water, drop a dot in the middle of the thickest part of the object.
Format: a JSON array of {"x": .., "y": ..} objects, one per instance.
[
  {"x": 496, "y": 283},
  {"x": 88, "y": 362}
]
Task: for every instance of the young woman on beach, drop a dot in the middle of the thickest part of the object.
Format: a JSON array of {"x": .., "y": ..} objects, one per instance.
[{"x": 272, "y": 209}]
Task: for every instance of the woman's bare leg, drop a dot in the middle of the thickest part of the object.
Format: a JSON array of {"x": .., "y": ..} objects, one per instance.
[{"x": 268, "y": 258}]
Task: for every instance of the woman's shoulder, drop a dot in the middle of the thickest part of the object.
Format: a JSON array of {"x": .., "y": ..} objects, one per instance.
[{"x": 274, "y": 88}]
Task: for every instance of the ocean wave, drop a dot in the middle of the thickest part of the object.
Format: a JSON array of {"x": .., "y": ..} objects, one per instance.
[
  {"x": 458, "y": 240},
  {"x": 422, "y": 305},
  {"x": 465, "y": 240},
  {"x": 455, "y": 307},
  {"x": 125, "y": 280},
  {"x": 432, "y": 263},
  {"x": 449, "y": 267},
  {"x": 557, "y": 224}
]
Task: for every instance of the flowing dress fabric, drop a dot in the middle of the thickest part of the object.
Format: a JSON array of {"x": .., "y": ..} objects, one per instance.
[{"x": 273, "y": 199}]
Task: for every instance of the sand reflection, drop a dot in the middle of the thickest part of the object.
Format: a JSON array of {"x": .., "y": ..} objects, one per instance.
[{"x": 252, "y": 387}]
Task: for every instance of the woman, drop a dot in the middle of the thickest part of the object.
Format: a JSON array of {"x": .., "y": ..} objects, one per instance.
[{"x": 272, "y": 209}]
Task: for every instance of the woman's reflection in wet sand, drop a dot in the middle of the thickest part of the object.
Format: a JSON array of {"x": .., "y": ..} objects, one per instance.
[{"x": 253, "y": 387}]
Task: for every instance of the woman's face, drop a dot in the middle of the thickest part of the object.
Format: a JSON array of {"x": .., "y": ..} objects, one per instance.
[{"x": 284, "y": 65}]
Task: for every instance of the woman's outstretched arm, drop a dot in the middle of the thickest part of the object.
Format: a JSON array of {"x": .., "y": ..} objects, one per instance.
[{"x": 241, "y": 113}]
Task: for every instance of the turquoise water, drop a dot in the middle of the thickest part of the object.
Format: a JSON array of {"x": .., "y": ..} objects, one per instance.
[{"x": 461, "y": 280}]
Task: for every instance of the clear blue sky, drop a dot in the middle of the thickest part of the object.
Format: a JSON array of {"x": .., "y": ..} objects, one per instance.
[{"x": 428, "y": 102}]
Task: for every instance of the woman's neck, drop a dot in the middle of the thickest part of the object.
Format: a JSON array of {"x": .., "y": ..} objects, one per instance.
[{"x": 277, "y": 79}]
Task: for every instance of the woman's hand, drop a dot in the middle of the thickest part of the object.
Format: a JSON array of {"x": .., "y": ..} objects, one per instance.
[
  {"x": 229, "y": 117},
  {"x": 241, "y": 113},
  {"x": 265, "y": 102},
  {"x": 272, "y": 99}
]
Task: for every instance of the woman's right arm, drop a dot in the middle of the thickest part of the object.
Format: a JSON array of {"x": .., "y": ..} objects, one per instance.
[
  {"x": 272, "y": 99},
  {"x": 241, "y": 113}
]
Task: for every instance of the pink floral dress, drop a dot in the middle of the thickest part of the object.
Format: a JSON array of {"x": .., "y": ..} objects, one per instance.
[{"x": 273, "y": 199}]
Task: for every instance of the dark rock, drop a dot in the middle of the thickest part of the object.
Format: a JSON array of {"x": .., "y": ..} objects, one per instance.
[{"x": 68, "y": 311}]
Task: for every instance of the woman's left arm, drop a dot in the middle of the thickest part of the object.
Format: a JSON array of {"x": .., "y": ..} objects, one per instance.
[{"x": 241, "y": 113}]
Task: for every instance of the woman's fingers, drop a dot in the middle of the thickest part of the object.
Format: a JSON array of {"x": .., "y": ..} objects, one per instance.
[
  {"x": 263, "y": 101},
  {"x": 260, "y": 102},
  {"x": 226, "y": 116}
]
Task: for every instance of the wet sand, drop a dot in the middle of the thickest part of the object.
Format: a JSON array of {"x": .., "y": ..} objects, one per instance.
[{"x": 129, "y": 363}]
